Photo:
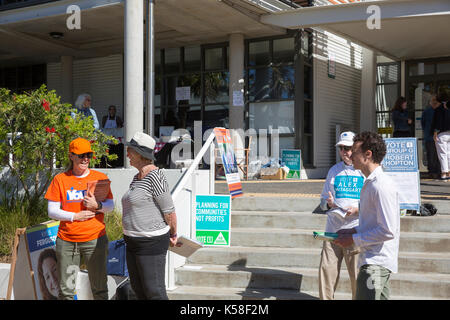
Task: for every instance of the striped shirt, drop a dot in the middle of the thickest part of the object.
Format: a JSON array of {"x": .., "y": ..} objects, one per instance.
[{"x": 145, "y": 204}]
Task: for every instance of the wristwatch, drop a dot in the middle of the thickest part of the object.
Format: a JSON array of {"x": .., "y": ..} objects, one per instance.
[{"x": 99, "y": 205}]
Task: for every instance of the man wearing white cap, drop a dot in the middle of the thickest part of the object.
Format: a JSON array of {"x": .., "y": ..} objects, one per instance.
[{"x": 340, "y": 197}]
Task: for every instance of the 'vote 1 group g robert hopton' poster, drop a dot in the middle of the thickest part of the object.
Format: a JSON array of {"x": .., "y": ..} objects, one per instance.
[{"x": 401, "y": 164}]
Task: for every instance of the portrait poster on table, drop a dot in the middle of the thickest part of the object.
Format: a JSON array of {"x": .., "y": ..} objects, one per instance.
[
  {"x": 401, "y": 164},
  {"x": 41, "y": 240},
  {"x": 228, "y": 157}
]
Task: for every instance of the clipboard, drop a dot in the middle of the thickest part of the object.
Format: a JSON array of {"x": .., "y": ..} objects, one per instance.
[
  {"x": 187, "y": 248},
  {"x": 99, "y": 188}
]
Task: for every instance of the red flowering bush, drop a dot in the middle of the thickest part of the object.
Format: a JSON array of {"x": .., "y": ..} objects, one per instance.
[{"x": 36, "y": 129}]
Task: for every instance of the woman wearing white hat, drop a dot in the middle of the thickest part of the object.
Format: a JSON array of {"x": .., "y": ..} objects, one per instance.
[
  {"x": 149, "y": 221},
  {"x": 340, "y": 196}
]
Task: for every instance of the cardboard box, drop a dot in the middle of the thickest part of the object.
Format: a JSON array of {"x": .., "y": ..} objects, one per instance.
[{"x": 280, "y": 175}]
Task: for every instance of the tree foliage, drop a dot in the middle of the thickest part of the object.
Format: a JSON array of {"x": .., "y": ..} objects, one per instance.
[{"x": 35, "y": 130}]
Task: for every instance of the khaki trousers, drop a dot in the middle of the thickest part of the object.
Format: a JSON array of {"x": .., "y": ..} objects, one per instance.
[
  {"x": 330, "y": 267},
  {"x": 68, "y": 255}
]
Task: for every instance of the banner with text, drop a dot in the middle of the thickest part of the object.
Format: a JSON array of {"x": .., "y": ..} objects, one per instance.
[
  {"x": 230, "y": 168},
  {"x": 212, "y": 220},
  {"x": 293, "y": 160},
  {"x": 401, "y": 163}
]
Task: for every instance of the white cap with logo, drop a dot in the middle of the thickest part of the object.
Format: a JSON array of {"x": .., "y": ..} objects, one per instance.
[{"x": 346, "y": 139}]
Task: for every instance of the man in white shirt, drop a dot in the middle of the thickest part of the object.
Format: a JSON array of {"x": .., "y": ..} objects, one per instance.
[
  {"x": 378, "y": 233},
  {"x": 340, "y": 196}
]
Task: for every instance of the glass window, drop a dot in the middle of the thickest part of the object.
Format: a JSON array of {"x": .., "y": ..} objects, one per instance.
[
  {"x": 259, "y": 54},
  {"x": 216, "y": 116},
  {"x": 157, "y": 61},
  {"x": 194, "y": 82},
  {"x": 387, "y": 73},
  {"x": 273, "y": 115},
  {"x": 213, "y": 58},
  {"x": 386, "y": 96},
  {"x": 307, "y": 116},
  {"x": 172, "y": 60},
  {"x": 421, "y": 68},
  {"x": 443, "y": 67},
  {"x": 307, "y": 82},
  {"x": 283, "y": 50},
  {"x": 192, "y": 57},
  {"x": 283, "y": 82},
  {"x": 305, "y": 45},
  {"x": 259, "y": 82},
  {"x": 216, "y": 87}
]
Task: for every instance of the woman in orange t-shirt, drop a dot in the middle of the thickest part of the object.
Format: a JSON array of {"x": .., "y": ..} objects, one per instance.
[{"x": 81, "y": 232}]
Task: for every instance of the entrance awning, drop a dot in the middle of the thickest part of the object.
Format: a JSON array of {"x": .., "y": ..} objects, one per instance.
[
  {"x": 24, "y": 32},
  {"x": 410, "y": 29}
]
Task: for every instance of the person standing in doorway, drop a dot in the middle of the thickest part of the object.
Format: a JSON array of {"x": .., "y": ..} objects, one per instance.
[
  {"x": 440, "y": 127},
  {"x": 83, "y": 105},
  {"x": 434, "y": 167},
  {"x": 340, "y": 196},
  {"x": 402, "y": 123},
  {"x": 378, "y": 233}
]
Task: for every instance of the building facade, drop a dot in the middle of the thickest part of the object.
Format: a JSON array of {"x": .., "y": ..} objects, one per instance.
[{"x": 215, "y": 62}]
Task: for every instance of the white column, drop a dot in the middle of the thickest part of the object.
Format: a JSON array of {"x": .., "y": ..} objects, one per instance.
[
  {"x": 368, "y": 88},
  {"x": 150, "y": 72},
  {"x": 66, "y": 79},
  {"x": 236, "y": 113},
  {"x": 134, "y": 69}
]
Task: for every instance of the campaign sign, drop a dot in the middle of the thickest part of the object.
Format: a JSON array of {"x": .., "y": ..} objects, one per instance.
[
  {"x": 292, "y": 159},
  {"x": 41, "y": 241},
  {"x": 401, "y": 164},
  {"x": 225, "y": 144},
  {"x": 213, "y": 220},
  {"x": 348, "y": 187}
]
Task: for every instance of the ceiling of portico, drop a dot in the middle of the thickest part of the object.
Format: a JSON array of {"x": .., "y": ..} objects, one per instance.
[{"x": 177, "y": 23}]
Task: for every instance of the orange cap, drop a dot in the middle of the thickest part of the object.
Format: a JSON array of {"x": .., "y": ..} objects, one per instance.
[{"x": 80, "y": 146}]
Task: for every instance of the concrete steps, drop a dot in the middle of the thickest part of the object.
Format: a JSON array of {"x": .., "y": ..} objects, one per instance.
[
  {"x": 274, "y": 256},
  {"x": 305, "y": 279},
  {"x": 306, "y": 220},
  {"x": 208, "y": 293},
  {"x": 305, "y": 204},
  {"x": 268, "y": 257},
  {"x": 297, "y": 238}
]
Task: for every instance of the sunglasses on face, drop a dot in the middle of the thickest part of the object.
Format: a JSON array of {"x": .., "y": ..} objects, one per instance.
[
  {"x": 84, "y": 155},
  {"x": 345, "y": 148}
]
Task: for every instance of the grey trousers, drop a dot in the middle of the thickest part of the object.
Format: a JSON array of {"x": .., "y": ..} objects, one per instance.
[{"x": 94, "y": 254}]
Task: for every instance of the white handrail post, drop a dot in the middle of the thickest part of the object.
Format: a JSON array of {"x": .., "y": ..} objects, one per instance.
[{"x": 212, "y": 168}]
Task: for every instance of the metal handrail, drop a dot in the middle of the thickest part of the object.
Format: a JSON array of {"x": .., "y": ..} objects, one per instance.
[{"x": 187, "y": 174}]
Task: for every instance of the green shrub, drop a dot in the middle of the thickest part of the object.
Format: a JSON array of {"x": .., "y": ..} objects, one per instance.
[{"x": 16, "y": 216}]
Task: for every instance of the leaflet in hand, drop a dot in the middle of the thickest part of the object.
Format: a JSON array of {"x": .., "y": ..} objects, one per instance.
[
  {"x": 341, "y": 211},
  {"x": 187, "y": 248},
  {"x": 325, "y": 236}
]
